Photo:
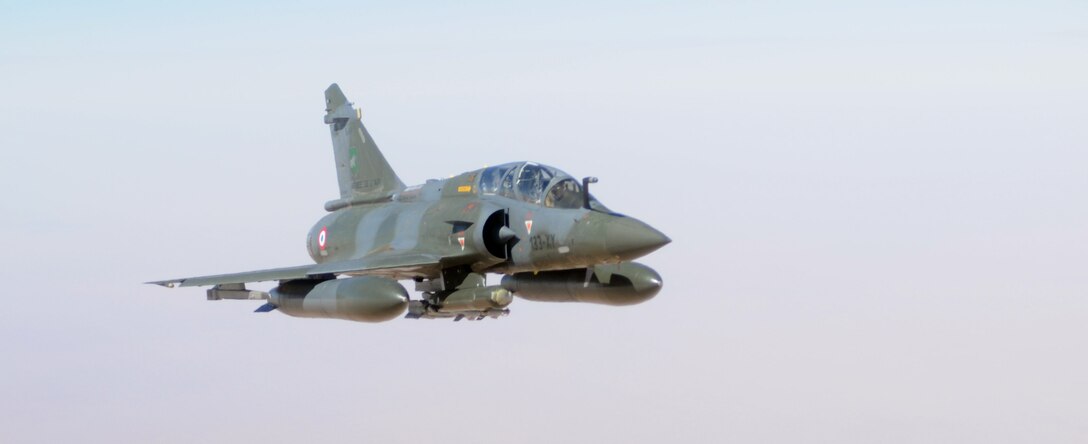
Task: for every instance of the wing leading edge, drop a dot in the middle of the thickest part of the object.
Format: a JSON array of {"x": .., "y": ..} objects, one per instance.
[{"x": 392, "y": 266}]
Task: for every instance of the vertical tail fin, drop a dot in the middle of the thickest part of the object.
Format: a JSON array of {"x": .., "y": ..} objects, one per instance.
[{"x": 361, "y": 169}]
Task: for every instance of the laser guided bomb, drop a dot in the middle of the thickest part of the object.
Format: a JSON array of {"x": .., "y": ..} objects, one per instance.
[{"x": 537, "y": 226}]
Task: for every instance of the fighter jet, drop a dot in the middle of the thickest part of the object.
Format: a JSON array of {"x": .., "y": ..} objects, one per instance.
[{"x": 535, "y": 225}]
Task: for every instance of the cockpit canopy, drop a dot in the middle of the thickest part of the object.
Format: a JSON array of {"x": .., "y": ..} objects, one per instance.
[{"x": 534, "y": 183}]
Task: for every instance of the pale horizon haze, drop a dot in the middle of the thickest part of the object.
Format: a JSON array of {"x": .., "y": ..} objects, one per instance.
[{"x": 879, "y": 216}]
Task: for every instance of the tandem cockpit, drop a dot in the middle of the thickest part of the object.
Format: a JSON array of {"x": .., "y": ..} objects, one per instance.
[{"x": 536, "y": 184}]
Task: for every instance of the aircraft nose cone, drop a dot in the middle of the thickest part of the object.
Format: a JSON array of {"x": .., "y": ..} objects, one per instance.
[{"x": 631, "y": 238}]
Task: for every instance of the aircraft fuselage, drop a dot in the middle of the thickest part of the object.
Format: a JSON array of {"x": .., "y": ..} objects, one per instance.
[{"x": 448, "y": 218}]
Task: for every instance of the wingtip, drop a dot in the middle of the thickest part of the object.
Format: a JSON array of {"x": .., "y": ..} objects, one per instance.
[{"x": 167, "y": 284}]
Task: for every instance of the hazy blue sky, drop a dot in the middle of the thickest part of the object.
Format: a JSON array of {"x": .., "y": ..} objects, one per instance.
[{"x": 879, "y": 215}]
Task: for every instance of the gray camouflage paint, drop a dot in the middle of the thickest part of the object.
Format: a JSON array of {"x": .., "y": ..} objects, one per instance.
[{"x": 447, "y": 235}]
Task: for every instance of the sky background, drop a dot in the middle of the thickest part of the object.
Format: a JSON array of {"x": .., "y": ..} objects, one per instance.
[{"x": 879, "y": 216}]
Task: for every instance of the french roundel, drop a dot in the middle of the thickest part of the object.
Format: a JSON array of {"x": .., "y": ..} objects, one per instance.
[{"x": 321, "y": 238}]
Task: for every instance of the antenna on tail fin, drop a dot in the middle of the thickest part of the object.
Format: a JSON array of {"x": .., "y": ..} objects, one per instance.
[{"x": 361, "y": 170}]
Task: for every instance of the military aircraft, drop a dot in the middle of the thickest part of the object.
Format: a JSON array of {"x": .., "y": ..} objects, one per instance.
[{"x": 536, "y": 225}]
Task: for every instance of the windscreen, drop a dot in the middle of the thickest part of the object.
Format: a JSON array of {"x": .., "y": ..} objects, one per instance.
[{"x": 534, "y": 183}]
